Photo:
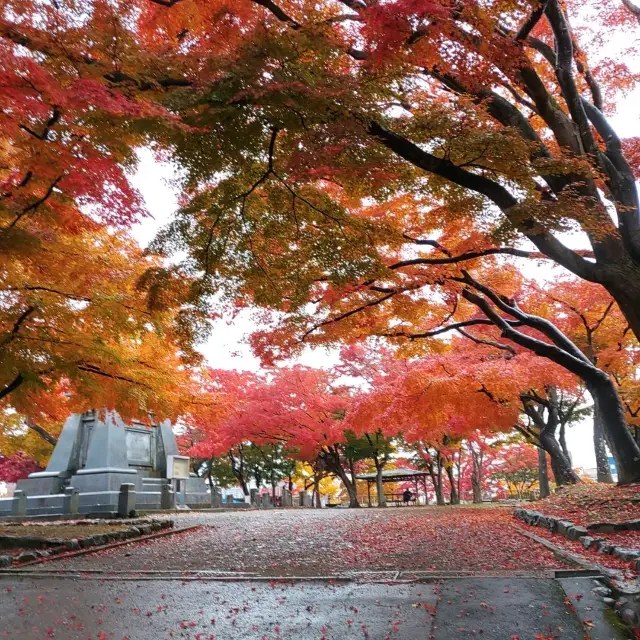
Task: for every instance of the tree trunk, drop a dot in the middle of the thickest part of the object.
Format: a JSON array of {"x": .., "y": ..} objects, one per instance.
[
  {"x": 382, "y": 501},
  {"x": 543, "y": 473},
  {"x": 454, "y": 498},
  {"x": 317, "y": 502},
  {"x": 351, "y": 489},
  {"x": 436, "y": 479},
  {"x": 562, "y": 439},
  {"x": 238, "y": 469},
  {"x": 624, "y": 286},
  {"x": 610, "y": 415},
  {"x": 599, "y": 446},
  {"x": 334, "y": 465},
  {"x": 241, "y": 480},
  {"x": 560, "y": 461},
  {"x": 561, "y": 466},
  {"x": 315, "y": 494},
  {"x": 210, "y": 478},
  {"x": 476, "y": 475},
  {"x": 459, "y": 476},
  {"x": 558, "y": 474}
]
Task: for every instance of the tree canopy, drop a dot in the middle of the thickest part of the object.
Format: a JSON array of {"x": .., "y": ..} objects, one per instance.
[{"x": 360, "y": 171}]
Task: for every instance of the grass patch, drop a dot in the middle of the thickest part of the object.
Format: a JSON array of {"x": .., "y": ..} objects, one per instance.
[{"x": 65, "y": 531}]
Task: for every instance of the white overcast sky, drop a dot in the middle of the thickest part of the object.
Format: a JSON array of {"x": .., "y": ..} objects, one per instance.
[{"x": 226, "y": 348}]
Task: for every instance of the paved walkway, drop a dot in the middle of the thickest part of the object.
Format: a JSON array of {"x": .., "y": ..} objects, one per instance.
[
  {"x": 491, "y": 608},
  {"x": 307, "y": 542},
  {"x": 192, "y": 585}
]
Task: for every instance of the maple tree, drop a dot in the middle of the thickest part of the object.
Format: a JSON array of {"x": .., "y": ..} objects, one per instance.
[
  {"x": 590, "y": 318},
  {"x": 296, "y": 410},
  {"x": 519, "y": 470},
  {"x": 349, "y": 155},
  {"x": 16, "y": 466},
  {"x": 505, "y": 122},
  {"x": 311, "y": 415},
  {"x": 100, "y": 337},
  {"x": 88, "y": 320}
]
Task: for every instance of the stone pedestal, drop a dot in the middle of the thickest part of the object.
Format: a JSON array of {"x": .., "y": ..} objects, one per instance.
[
  {"x": 96, "y": 453},
  {"x": 127, "y": 500},
  {"x": 167, "y": 497},
  {"x": 216, "y": 498},
  {"x": 255, "y": 497},
  {"x": 305, "y": 499},
  {"x": 287, "y": 500},
  {"x": 266, "y": 501}
]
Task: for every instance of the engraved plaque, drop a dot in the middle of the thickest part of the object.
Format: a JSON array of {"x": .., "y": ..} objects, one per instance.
[{"x": 139, "y": 447}]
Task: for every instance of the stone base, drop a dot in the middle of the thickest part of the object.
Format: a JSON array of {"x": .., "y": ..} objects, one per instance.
[{"x": 46, "y": 484}]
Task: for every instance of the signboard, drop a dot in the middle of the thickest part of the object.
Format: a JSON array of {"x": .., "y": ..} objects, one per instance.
[{"x": 178, "y": 467}]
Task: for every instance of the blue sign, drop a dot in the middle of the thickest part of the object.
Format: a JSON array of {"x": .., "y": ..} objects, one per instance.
[{"x": 612, "y": 465}]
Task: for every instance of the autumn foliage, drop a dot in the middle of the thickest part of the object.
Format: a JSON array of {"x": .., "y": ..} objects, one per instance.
[{"x": 399, "y": 175}]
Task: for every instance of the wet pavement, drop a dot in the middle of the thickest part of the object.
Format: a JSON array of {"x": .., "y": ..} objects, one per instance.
[
  {"x": 401, "y": 574},
  {"x": 491, "y": 608},
  {"x": 309, "y": 542}
]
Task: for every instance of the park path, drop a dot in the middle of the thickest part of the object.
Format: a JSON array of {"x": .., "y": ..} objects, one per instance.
[
  {"x": 401, "y": 574},
  {"x": 34, "y": 608},
  {"x": 307, "y": 542}
]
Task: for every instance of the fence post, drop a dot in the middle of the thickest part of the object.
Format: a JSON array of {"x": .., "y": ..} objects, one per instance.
[
  {"x": 216, "y": 498},
  {"x": 167, "y": 497},
  {"x": 126, "y": 500},
  {"x": 71, "y": 500},
  {"x": 19, "y": 504}
]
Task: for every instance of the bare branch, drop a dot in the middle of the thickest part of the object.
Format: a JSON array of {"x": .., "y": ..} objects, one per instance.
[
  {"x": 491, "y": 343},
  {"x": 12, "y": 386}
]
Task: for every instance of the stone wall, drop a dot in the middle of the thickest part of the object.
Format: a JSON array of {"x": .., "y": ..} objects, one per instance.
[{"x": 623, "y": 594}]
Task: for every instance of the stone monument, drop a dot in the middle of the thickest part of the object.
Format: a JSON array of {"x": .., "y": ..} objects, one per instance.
[{"x": 96, "y": 456}]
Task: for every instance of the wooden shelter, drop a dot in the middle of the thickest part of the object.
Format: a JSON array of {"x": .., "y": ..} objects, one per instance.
[{"x": 396, "y": 475}]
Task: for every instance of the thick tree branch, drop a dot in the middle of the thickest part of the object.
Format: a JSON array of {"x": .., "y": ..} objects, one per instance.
[
  {"x": 16, "y": 326},
  {"x": 621, "y": 181},
  {"x": 564, "y": 74},
  {"x": 278, "y": 12},
  {"x": 531, "y": 22},
  {"x": 536, "y": 322},
  {"x": 11, "y": 386},
  {"x": 579, "y": 366},
  {"x": 43, "y": 433},
  {"x": 442, "y": 167},
  {"x": 456, "y": 326},
  {"x": 469, "y": 255}
]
